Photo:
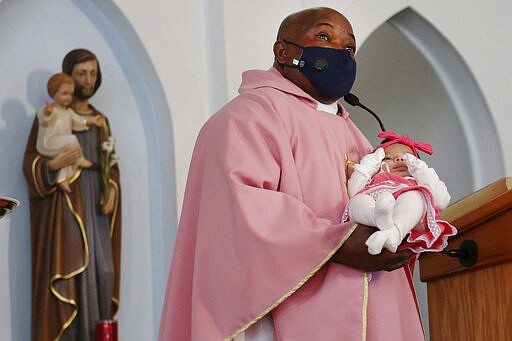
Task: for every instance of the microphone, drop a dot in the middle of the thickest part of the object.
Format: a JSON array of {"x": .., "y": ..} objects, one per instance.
[
  {"x": 354, "y": 101},
  {"x": 321, "y": 64}
]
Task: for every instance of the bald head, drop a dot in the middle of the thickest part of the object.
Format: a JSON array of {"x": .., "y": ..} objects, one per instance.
[
  {"x": 319, "y": 27},
  {"x": 299, "y": 22}
]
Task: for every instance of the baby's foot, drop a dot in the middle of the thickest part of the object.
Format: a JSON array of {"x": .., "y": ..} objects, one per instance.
[
  {"x": 380, "y": 239},
  {"x": 84, "y": 163},
  {"x": 383, "y": 213},
  {"x": 394, "y": 240},
  {"x": 65, "y": 187}
]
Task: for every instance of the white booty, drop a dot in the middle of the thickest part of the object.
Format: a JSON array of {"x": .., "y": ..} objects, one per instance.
[
  {"x": 390, "y": 239},
  {"x": 383, "y": 213},
  {"x": 394, "y": 240}
]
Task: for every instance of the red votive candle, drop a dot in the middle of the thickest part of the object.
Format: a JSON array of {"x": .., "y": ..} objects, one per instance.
[{"x": 106, "y": 330}]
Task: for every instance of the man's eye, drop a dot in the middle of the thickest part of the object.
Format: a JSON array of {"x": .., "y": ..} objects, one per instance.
[
  {"x": 351, "y": 49},
  {"x": 323, "y": 36}
]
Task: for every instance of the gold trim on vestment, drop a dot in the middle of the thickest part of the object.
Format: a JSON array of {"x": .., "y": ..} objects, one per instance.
[
  {"x": 348, "y": 164},
  {"x": 72, "y": 274},
  {"x": 88, "y": 112},
  {"x": 36, "y": 182},
  {"x": 75, "y": 175},
  {"x": 116, "y": 206},
  {"x": 365, "y": 307},
  {"x": 115, "y": 300},
  {"x": 294, "y": 289},
  {"x": 72, "y": 178}
]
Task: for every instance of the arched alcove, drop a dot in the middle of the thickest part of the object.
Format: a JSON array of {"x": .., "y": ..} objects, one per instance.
[
  {"x": 132, "y": 97},
  {"x": 420, "y": 86},
  {"x": 154, "y": 112}
]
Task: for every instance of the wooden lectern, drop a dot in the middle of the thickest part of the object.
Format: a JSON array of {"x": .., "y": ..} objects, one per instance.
[{"x": 473, "y": 302}]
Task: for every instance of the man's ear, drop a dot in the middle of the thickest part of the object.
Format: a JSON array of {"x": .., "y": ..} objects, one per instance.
[{"x": 280, "y": 51}]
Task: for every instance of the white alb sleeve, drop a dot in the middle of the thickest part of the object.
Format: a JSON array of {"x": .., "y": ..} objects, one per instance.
[{"x": 426, "y": 176}]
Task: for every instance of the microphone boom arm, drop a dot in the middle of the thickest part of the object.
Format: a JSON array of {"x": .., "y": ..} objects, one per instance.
[
  {"x": 374, "y": 115},
  {"x": 354, "y": 101}
]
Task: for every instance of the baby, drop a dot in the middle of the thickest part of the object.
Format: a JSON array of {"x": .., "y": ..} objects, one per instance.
[
  {"x": 57, "y": 121},
  {"x": 399, "y": 194}
]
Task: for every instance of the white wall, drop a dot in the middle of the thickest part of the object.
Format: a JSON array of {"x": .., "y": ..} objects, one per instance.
[
  {"x": 34, "y": 37},
  {"x": 479, "y": 34},
  {"x": 167, "y": 67},
  {"x": 249, "y": 29}
]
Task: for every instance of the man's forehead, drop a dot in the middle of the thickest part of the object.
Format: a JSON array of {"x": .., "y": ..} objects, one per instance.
[
  {"x": 334, "y": 22},
  {"x": 87, "y": 65}
]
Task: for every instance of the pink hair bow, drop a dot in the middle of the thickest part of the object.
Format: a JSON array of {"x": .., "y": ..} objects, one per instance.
[{"x": 395, "y": 138}]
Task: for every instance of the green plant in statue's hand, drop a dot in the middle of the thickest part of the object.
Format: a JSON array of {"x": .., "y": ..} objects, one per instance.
[{"x": 108, "y": 159}]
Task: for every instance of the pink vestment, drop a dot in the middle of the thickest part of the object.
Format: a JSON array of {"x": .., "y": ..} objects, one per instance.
[{"x": 260, "y": 220}]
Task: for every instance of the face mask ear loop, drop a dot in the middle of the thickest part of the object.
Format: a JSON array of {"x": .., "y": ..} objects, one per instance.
[
  {"x": 384, "y": 167},
  {"x": 297, "y": 63},
  {"x": 292, "y": 43}
]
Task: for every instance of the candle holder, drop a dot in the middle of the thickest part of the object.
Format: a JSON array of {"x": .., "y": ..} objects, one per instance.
[{"x": 106, "y": 330}]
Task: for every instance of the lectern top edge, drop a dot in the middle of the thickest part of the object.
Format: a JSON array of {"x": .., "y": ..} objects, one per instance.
[{"x": 477, "y": 199}]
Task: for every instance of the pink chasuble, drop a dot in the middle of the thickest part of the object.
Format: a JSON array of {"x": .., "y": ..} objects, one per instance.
[{"x": 260, "y": 220}]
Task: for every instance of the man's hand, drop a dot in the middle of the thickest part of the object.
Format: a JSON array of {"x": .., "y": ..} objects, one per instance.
[
  {"x": 96, "y": 120},
  {"x": 354, "y": 253},
  {"x": 66, "y": 157},
  {"x": 108, "y": 207}
]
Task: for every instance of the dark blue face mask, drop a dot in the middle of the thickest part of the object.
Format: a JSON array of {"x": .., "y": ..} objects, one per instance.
[{"x": 331, "y": 71}]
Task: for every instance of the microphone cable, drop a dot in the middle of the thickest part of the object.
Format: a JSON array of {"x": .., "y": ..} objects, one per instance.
[{"x": 354, "y": 101}]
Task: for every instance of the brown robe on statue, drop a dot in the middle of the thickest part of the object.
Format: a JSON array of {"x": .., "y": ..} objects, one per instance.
[{"x": 75, "y": 248}]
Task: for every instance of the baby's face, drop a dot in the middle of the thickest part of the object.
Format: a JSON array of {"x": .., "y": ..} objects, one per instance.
[
  {"x": 394, "y": 158},
  {"x": 64, "y": 96}
]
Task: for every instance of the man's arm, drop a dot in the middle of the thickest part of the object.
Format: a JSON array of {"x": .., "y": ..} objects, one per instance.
[
  {"x": 37, "y": 168},
  {"x": 354, "y": 253},
  {"x": 66, "y": 157}
]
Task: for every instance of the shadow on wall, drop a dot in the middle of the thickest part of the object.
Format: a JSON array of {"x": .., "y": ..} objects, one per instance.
[
  {"x": 134, "y": 101},
  {"x": 17, "y": 122},
  {"x": 17, "y": 225}
]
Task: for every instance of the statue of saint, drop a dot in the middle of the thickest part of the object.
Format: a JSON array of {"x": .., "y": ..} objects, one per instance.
[{"x": 76, "y": 228}]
